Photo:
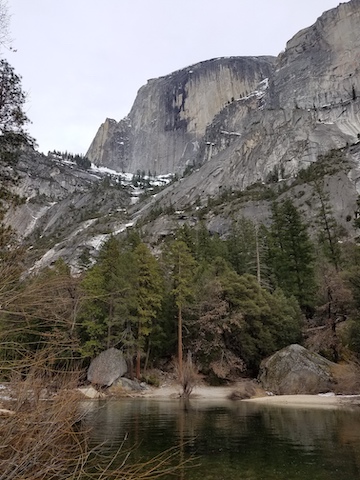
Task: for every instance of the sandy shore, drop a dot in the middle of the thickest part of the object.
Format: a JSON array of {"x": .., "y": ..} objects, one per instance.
[
  {"x": 222, "y": 393},
  {"x": 331, "y": 401}
]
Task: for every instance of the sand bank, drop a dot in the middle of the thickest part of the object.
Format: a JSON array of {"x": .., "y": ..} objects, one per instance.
[{"x": 222, "y": 393}]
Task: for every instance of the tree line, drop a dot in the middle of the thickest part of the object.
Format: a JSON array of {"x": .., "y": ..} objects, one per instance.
[{"x": 229, "y": 302}]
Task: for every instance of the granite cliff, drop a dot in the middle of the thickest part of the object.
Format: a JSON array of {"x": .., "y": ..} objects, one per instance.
[
  {"x": 227, "y": 110},
  {"x": 170, "y": 114}
]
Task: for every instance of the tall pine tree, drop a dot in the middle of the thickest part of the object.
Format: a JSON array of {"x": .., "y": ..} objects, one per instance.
[
  {"x": 290, "y": 254},
  {"x": 149, "y": 294},
  {"x": 106, "y": 315},
  {"x": 181, "y": 265}
]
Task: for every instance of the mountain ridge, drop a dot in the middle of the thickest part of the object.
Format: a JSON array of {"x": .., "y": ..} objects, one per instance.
[{"x": 260, "y": 133}]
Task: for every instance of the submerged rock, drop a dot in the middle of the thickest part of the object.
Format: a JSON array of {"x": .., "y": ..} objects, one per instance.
[
  {"x": 131, "y": 385},
  {"x": 107, "y": 367},
  {"x": 294, "y": 370}
]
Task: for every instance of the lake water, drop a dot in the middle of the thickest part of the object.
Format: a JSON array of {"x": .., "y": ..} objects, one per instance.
[{"x": 233, "y": 440}]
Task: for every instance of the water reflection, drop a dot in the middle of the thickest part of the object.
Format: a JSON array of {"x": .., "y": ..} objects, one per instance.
[{"x": 235, "y": 440}]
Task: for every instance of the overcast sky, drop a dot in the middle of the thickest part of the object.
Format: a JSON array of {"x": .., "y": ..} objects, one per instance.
[{"x": 84, "y": 60}]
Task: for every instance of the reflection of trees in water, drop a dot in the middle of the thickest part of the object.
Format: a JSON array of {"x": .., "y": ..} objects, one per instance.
[
  {"x": 237, "y": 437},
  {"x": 318, "y": 430},
  {"x": 349, "y": 437},
  {"x": 305, "y": 427}
]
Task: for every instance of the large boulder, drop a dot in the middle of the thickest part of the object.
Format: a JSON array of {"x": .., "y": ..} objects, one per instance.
[
  {"x": 107, "y": 367},
  {"x": 295, "y": 370}
]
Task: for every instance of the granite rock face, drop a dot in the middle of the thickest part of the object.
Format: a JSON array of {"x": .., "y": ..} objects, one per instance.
[
  {"x": 225, "y": 112},
  {"x": 320, "y": 66},
  {"x": 170, "y": 114},
  {"x": 295, "y": 370}
]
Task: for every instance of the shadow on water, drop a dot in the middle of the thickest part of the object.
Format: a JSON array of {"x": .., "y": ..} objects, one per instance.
[{"x": 234, "y": 440}]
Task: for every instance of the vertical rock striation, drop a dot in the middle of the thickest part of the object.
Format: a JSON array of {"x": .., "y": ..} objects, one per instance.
[
  {"x": 320, "y": 66},
  {"x": 170, "y": 115}
]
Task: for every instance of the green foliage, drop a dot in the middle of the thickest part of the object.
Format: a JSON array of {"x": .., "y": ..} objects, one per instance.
[
  {"x": 238, "y": 323},
  {"x": 13, "y": 137},
  {"x": 12, "y": 116},
  {"x": 182, "y": 267},
  {"x": 291, "y": 254},
  {"x": 329, "y": 230},
  {"x": 149, "y": 292},
  {"x": 328, "y": 164},
  {"x": 203, "y": 245},
  {"x": 82, "y": 162},
  {"x": 244, "y": 246},
  {"x": 106, "y": 315},
  {"x": 354, "y": 336}
]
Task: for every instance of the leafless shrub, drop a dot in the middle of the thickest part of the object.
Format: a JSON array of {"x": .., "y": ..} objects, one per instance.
[
  {"x": 45, "y": 437},
  {"x": 189, "y": 377},
  {"x": 41, "y": 440},
  {"x": 246, "y": 389},
  {"x": 228, "y": 367}
]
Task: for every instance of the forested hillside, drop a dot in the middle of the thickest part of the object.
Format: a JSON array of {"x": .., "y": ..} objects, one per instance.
[{"x": 229, "y": 302}]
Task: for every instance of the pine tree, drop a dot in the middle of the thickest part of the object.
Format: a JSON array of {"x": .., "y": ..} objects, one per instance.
[
  {"x": 13, "y": 138},
  {"x": 290, "y": 254},
  {"x": 149, "y": 294},
  {"x": 245, "y": 248},
  {"x": 236, "y": 322},
  {"x": 182, "y": 267},
  {"x": 110, "y": 301},
  {"x": 329, "y": 229}
]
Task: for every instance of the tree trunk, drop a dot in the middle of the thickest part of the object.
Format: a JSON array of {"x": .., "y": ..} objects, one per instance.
[
  {"x": 138, "y": 359},
  {"x": 258, "y": 266},
  {"x": 138, "y": 353},
  {"x": 147, "y": 356},
  {"x": 180, "y": 346}
]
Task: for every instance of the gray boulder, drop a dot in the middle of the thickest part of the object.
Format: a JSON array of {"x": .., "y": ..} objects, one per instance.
[
  {"x": 107, "y": 367},
  {"x": 295, "y": 370},
  {"x": 131, "y": 385}
]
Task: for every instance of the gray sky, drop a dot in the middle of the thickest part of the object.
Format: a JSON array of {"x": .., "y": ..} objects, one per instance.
[{"x": 84, "y": 60}]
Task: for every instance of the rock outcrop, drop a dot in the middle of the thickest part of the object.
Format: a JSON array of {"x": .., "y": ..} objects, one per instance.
[
  {"x": 295, "y": 370},
  {"x": 320, "y": 65},
  {"x": 220, "y": 113},
  {"x": 170, "y": 115}
]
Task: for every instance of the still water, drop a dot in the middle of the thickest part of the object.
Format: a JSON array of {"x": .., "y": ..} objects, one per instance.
[{"x": 234, "y": 440}]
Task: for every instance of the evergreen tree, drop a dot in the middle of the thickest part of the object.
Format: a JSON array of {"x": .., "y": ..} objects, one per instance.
[
  {"x": 209, "y": 246},
  {"x": 106, "y": 315},
  {"x": 149, "y": 288},
  {"x": 13, "y": 138},
  {"x": 245, "y": 248},
  {"x": 290, "y": 254},
  {"x": 329, "y": 229},
  {"x": 181, "y": 265},
  {"x": 236, "y": 323}
]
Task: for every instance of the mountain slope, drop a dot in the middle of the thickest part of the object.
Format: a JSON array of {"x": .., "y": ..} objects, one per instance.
[{"x": 233, "y": 125}]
